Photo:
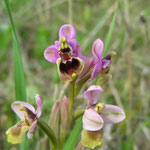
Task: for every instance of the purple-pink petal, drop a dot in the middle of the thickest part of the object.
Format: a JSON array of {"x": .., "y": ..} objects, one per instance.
[
  {"x": 105, "y": 63},
  {"x": 58, "y": 44},
  {"x": 39, "y": 103},
  {"x": 30, "y": 132},
  {"x": 96, "y": 71},
  {"x": 67, "y": 31},
  {"x": 92, "y": 94},
  {"x": 18, "y": 104},
  {"x": 51, "y": 54},
  {"x": 92, "y": 121},
  {"x": 72, "y": 43},
  {"x": 77, "y": 50},
  {"x": 112, "y": 114},
  {"x": 97, "y": 49},
  {"x": 75, "y": 47}
]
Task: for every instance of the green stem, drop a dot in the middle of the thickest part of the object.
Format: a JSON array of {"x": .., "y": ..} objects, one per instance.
[
  {"x": 71, "y": 93},
  {"x": 49, "y": 133},
  {"x": 71, "y": 96}
]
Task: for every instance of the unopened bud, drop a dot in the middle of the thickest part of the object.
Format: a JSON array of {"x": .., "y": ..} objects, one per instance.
[
  {"x": 55, "y": 117},
  {"x": 65, "y": 118}
]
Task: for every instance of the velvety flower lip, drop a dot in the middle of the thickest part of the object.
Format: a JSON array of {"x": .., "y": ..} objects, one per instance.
[
  {"x": 92, "y": 93},
  {"x": 28, "y": 116},
  {"x": 66, "y": 70},
  {"x": 99, "y": 62}
]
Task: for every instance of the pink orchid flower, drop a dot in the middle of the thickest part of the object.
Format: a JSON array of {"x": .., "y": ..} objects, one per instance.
[
  {"x": 95, "y": 116},
  {"x": 28, "y": 116},
  {"x": 99, "y": 62},
  {"x": 98, "y": 114},
  {"x": 65, "y": 53}
]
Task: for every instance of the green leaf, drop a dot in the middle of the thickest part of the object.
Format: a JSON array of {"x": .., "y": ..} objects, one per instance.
[
  {"x": 74, "y": 136},
  {"x": 109, "y": 34},
  {"x": 20, "y": 88}
]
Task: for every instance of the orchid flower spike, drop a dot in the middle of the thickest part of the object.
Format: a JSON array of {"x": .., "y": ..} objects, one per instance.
[
  {"x": 96, "y": 115},
  {"x": 100, "y": 63},
  {"x": 28, "y": 116},
  {"x": 65, "y": 53}
]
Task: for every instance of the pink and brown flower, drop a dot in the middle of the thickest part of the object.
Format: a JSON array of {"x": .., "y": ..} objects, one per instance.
[
  {"x": 66, "y": 54},
  {"x": 28, "y": 116}
]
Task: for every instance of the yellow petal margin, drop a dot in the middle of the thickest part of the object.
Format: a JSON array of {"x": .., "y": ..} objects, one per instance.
[
  {"x": 92, "y": 139},
  {"x": 16, "y": 133}
]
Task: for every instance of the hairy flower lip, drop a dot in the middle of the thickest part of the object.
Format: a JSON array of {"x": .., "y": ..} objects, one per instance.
[{"x": 68, "y": 68}]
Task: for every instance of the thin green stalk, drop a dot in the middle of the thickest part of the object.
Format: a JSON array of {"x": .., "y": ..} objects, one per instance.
[
  {"x": 49, "y": 132},
  {"x": 71, "y": 92},
  {"x": 71, "y": 96},
  {"x": 110, "y": 32}
]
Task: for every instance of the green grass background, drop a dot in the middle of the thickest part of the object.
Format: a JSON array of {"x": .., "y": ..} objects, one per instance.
[{"x": 37, "y": 23}]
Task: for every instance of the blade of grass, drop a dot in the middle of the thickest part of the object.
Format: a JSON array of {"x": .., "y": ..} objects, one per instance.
[
  {"x": 20, "y": 88},
  {"x": 109, "y": 34},
  {"x": 74, "y": 136}
]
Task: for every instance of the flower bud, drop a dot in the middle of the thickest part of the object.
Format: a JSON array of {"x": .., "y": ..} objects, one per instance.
[
  {"x": 55, "y": 118},
  {"x": 65, "y": 116}
]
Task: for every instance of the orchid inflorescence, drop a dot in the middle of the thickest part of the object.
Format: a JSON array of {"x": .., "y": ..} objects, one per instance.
[{"x": 77, "y": 70}]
